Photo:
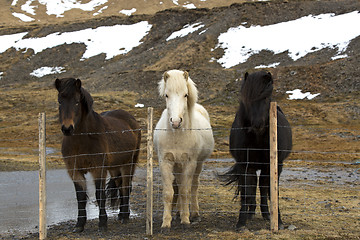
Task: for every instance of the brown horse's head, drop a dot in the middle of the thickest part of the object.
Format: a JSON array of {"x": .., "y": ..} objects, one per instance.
[
  {"x": 256, "y": 90},
  {"x": 74, "y": 103}
]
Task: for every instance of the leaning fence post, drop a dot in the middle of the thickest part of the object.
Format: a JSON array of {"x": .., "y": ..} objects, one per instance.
[
  {"x": 274, "y": 196},
  {"x": 149, "y": 182},
  {"x": 42, "y": 176}
]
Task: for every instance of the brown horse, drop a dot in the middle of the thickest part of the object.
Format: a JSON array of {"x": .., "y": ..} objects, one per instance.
[{"x": 98, "y": 144}]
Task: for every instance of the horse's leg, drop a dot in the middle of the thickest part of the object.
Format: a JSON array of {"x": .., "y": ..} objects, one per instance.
[
  {"x": 125, "y": 191},
  {"x": 264, "y": 183},
  {"x": 264, "y": 186},
  {"x": 248, "y": 195},
  {"x": 280, "y": 222},
  {"x": 252, "y": 204},
  {"x": 80, "y": 189},
  {"x": 175, "y": 202},
  {"x": 99, "y": 176},
  {"x": 113, "y": 188},
  {"x": 167, "y": 176},
  {"x": 194, "y": 207},
  {"x": 185, "y": 188}
]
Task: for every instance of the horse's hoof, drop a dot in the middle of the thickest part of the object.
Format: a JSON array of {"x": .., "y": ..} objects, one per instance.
[
  {"x": 266, "y": 216},
  {"x": 250, "y": 216},
  {"x": 103, "y": 228},
  {"x": 185, "y": 226},
  {"x": 124, "y": 220},
  {"x": 165, "y": 230},
  {"x": 78, "y": 229},
  {"x": 195, "y": 219},
  {"x": 241, "y": 228},
  {"x": 281, "y": 226}
]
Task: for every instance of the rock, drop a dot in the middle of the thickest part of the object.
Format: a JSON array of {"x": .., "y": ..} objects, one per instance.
[
  {"x": 292, "y": 227},
  {"x": 328, "y": 205}
]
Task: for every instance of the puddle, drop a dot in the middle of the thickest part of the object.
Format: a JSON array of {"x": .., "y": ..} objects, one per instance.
[
  {"x": 49, "y": 151},
  {"x": 19, "y": 195}
]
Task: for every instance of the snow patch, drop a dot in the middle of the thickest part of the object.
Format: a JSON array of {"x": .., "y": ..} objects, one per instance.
[
  {"x": 23, "y": 17},
  {"x": 187, "y": 29},
  {"x": 128, "y": 12},
  {"x": 297, "y": 94},
  {"x": 298, "y": 37},
  {"x": 106, "y": 39},
  {"x": 59, "y": 7},
  {"x": 139, "y": 105},
  {"x": 189, "y": 6},
  {"x": 273, "y": 65},
  {"x": 43, "y": 71}
]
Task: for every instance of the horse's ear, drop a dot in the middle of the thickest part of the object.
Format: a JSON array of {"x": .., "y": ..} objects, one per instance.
[
  {"x": 57, "y": 84},
  {"x": 186, "y": 75},
  {"x": 246, "y": 75},
  {"x": 268, "y": 77},
  {"x": 78, "y": 84},
  {"x": 166, "y": 76}
]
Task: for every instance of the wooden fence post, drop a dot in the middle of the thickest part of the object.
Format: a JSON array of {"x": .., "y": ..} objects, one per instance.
[
  {"x": 274, "y": 197},
  {"x": 42, "y": 176},
  {"x": 149, "y": 180}
]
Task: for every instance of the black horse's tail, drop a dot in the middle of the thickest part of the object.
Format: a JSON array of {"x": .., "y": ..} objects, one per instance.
[
  {"x": 232, "y": 176},
  {"x": 113, "y": 193}
]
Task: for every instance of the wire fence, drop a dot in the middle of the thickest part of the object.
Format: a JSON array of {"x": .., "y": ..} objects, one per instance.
[{"x": 314, "y": 191}]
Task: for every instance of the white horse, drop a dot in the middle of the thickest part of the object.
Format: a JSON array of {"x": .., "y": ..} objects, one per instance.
[{"x": 183, "y": 139}]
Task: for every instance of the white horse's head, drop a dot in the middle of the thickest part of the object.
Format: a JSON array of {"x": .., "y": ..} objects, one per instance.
[{"x": 180, "y": 93}]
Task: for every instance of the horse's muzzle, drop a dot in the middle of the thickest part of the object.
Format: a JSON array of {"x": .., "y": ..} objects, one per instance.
[
  {"x": 176, "y": 124},
  {"x": 67, "y": 131}
]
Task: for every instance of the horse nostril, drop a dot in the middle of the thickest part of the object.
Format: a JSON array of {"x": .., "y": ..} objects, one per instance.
[{"x": 67, "y": 131}]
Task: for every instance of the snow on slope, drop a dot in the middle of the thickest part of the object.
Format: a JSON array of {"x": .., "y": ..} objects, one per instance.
[
  {"x": 105, "y": 39},
  {"x": 299, "y": 37}
]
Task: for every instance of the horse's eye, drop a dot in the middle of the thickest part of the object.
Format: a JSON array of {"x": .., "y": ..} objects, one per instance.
[
  {"x": 166, "y": 96},
  {"x": 186, "y": 95}
]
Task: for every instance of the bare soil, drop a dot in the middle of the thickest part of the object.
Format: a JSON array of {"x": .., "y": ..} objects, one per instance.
[{"x": 326, "y": 129}]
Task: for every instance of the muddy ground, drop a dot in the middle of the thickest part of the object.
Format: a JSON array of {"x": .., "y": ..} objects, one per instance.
[
  {"x": 326, "y": 129},
  {"x": 313, "y": 201}
]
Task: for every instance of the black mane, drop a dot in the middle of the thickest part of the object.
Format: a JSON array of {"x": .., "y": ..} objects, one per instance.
[{"x": 256, "y": 86}]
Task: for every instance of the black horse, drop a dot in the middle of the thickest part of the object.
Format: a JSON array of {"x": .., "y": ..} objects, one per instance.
[{"x": 249, "y": 145}]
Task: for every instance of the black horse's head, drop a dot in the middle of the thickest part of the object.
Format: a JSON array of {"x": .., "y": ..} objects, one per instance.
[
  {"x": 74, "y": 103},
  {"x": 256, "y": 90}
]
